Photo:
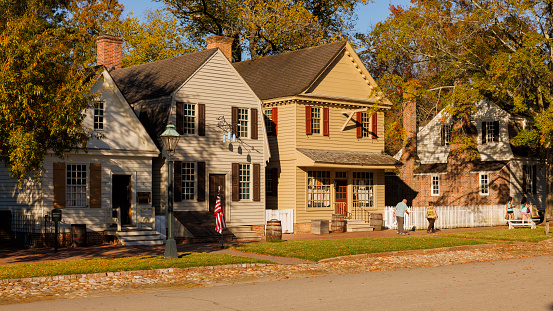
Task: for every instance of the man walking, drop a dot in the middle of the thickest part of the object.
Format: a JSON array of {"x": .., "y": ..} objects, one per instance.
[{"x": 399, "y": 214}]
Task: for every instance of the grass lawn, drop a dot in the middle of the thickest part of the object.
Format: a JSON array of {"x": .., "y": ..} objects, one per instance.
[
  {"x": 320, "y": 249},
  {"x": 518, "y": 234},
  {"x": 97, "y": 265}
]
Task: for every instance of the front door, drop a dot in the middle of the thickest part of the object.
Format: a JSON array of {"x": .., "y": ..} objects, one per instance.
[
  {"x": 341, "y": 197},
  {"x": 216, "y": 185},
  {"x": 121, "y": 197}
]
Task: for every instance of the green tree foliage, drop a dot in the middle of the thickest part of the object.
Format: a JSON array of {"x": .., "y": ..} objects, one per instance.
[
  {"x": 158, "y": 37},
  {"x": 265, "y": 27},
  {"x": 43, "y": 84},
  {"x": 453, "y": 53}
]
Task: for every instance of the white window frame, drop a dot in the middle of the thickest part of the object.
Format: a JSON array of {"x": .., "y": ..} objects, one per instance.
[
  {"x": 447, "y": 133},
  {"x": 99, "y": 115},
  {"x": 76, "y": 193},
  {"x": 363, "y": 189},
  {"x": 189, "y": 118},
  {"x": 434, "y": 185},
  {"x": 188, "y": 186},
  {"x": 366, "y": 124},
  {"x": 318, "y": 189},
  {"x": 243, "y": 126},
  {"x": 244, "y": 181},
  {"x": 316, "y": 120},
  {"x": 490, "y": 131},
  {"x": 484, "y": 183},
  {"x": 269, "y": 121}
]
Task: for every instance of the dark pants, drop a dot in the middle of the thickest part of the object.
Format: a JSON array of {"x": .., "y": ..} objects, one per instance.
[
  {"x": 399, "y": 224},
  {"x": 431, "y": 224}
]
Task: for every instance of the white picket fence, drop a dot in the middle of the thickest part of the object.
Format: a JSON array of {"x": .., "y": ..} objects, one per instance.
[{"x": 451, "y": 217}]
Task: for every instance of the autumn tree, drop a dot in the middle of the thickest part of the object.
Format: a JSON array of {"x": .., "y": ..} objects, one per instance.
[
  {"x": 454, "y": 53},
  {"x": 44, "y": 83},
  {"x": 265, "y": 27},
  {"x": 158, "y": 37}
]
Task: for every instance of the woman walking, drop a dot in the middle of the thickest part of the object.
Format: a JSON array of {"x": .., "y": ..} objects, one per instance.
[
  {"x": 509, "y": 208},
  {"x": 431, "y": 216}
]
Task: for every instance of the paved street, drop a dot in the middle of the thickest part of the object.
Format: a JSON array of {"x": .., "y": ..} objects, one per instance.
[{"x": 516, "y": 284}]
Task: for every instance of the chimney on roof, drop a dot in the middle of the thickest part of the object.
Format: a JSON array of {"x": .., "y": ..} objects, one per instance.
[
  {"x": 109, "y": 51},
  {"x": 223, "y": 43}
]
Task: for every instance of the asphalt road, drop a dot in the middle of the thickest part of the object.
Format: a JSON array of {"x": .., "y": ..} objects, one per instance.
[{"x": 517, "y": 284}]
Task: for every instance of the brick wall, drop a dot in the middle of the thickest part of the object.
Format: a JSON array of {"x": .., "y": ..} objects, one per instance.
[{"x": 259, "y": 230}]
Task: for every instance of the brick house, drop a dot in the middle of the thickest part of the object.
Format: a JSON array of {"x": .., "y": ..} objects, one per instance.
[{"x": 431, "y": 173}]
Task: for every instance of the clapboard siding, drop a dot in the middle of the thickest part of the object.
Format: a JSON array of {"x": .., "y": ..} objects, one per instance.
[
  {"x": 338, "y": 139},
  {"x": 27, "y": 196},
  {"x": 344, "y": 79},
  {"x": 217, "y": 85}
]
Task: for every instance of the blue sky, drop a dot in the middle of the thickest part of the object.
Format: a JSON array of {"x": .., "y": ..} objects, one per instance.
[{"x": 368, "y": 15}]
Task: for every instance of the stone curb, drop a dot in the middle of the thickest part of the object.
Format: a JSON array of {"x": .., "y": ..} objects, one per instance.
[
  {"x": 409, "y": 252},
  {"x": 130, "y": 273}
]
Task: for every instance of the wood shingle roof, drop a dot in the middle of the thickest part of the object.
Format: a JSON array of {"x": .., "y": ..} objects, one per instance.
[
  {"x": 289, "y": 73},
  {"x": 348, "y": 157},
  {"x": 159, "y": 78}
]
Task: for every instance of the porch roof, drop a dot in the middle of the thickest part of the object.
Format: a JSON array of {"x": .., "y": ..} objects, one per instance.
[{"x": 352, "y": 159}]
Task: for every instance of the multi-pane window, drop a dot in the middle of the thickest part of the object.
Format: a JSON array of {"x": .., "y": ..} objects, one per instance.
[
  {"x": 435, "y": 179},
  {"x": 316, "y": 120},
  {"x": 189, "y": 119},
  {"x": 490, "y": 130},
  {"x": 269, "y": 181},
  {"x": 244, "y": 181},
  {"x": 99, "y": 115},
  {"x": 363, "y": 192},
  {"x": 484, "y": 184},
  {"x": 366, "y": 124},
  {"x": 75, "y": 186},
  {"x": 447, "y": 133},
  {"x": 242, "y": 122},
  {"x": 269, "y": 121},
  {"x": 529, "y": 178},
  {"x": 318, "y": 189},
  {"x": 341, "y": 175},
  {"x": 188, "y": 180}
]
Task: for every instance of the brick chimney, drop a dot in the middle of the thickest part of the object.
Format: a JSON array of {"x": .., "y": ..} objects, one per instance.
[
  {"x": 109, "y": 51},
  {"x": 409, "y": 156},
  {"x": 223, "y": 43}
]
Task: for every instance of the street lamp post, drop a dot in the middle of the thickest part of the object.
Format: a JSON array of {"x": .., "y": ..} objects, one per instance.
[{"x": 170, "y": 138}]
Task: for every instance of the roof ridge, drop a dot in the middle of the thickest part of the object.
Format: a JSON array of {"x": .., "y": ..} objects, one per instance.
[
  {"x": 165, "y": 60},
  {"x": 292, "y": 51}
]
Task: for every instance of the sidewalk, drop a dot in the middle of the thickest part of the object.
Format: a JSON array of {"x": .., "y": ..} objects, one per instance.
[{"x": 12, "y": 256}]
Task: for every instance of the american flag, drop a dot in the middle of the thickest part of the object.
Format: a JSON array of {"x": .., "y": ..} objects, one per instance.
[{"x": 219, "y": 217}]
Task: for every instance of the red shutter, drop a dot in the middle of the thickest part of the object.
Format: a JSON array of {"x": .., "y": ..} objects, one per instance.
[
  {"x": 254, "y": 123},
  {"x": 274, "y": 172},
  {"x": 235, "y": 182},
  {"x": 201, "y": 119},
  {"x": 308, "y": 129},
  {"x": 180, "y": 118},
  {"x": 375, "y": 125},
  {"x": 177, "y": 181},
  {"x": 201, "y": 182},
  {"x": 95, "y": 185},
  {"x": 234, "y": 120},
  {"x": 359, "y": 125},
  {"x": 59, "y": 185},
  {"x": 325, "y": 121},
  {"x": 256, "y": 182},
  {"x": 275, "y": 118}
]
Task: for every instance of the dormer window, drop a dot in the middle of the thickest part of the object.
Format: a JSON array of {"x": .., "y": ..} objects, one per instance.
[
  {"x": 490, "y": 132},
  {"x": 98, "y": 115},
  {"x": 446, "y": 134}
]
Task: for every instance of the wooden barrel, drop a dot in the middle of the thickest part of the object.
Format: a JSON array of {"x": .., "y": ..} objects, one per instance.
[
  {"x": 78, "y": 235},
  {"x": 338, "y": 223},
  {"x": 376, "y": 221},
  {"x": 273, "y": 231}
]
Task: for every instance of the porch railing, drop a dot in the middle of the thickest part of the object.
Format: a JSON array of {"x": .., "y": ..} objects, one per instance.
[{"x": 355, "y": 212}]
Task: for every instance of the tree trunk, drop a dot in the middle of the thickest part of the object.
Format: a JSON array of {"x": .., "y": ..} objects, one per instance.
[{"x": 549, "y": 193}]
